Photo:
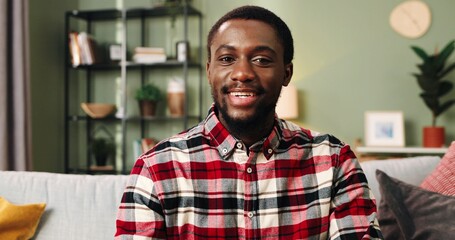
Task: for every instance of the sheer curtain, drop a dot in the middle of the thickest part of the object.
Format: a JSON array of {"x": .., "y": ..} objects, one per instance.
[{"x": 15, "y": 126}]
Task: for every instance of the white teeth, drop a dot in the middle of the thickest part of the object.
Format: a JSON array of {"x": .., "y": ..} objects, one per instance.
[{"x": 242, "y": 94}]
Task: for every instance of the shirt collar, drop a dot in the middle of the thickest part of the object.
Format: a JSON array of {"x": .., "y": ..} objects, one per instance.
[{"x": 226, "y": 143}]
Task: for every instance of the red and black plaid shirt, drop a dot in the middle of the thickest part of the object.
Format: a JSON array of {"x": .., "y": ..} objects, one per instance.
[{"x": 295, "y": 184}]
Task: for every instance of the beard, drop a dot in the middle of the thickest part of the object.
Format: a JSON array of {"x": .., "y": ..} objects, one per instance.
[{"x": 239, "y": 125}]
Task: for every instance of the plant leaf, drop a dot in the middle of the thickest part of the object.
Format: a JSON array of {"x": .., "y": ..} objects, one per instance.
[
  {"x": 429, "y": 68},
  {"x": 420, "y": 52},
  {"x": 444, "y": 88},
  {"x": 444, "y": 107},
  {"x": 427, "y": 84},
  {"x": 447, "y": 70},
  {"x": 445, "y": 53},
  {"x": 431, "y": 101}
]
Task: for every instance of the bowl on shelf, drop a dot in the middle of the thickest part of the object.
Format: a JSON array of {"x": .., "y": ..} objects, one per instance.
[{"x": 98, "y": 110}]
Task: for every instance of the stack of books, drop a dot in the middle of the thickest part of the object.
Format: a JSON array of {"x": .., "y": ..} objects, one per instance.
[
  {"x": 82, "y": 49},
  {"x": 149, "y": 55}
]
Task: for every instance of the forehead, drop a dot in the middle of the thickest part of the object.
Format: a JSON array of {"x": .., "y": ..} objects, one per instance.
[{"x": 243, "y": 30}]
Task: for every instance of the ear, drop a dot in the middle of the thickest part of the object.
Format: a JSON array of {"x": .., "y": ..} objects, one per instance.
[
  {"x": 288, "y": 71},
  {"x": 207, "y": 71}
]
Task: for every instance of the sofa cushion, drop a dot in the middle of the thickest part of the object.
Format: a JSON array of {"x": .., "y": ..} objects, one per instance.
[
  {"x": 442, "y": 178},
  {"x": 19, "y": 221},
  {"x": 77, "y": 206},
  {"x": 411, "y": 170},
  {"x": 410, "y": 212}
]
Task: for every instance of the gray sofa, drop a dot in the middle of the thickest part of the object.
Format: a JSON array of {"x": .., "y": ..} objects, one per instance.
[
  {"x": 78, "y": 206},
  {"x": 84, "y": 207},
  {"x": 412, "y": 170}
]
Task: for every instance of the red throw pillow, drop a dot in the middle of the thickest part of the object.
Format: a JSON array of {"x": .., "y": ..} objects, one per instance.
[{"x": 442, "y": 178}]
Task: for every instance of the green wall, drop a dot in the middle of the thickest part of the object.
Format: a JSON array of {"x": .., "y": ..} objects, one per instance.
[
  {"x": 46, "y": 27},
  {"x": 348, "y": 60}
]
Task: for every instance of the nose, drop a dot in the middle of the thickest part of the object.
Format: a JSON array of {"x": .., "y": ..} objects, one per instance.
[{"x": 242, "y": 71}]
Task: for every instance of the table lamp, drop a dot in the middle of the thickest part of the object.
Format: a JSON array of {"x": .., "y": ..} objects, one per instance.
[{"x": 288, "y": 103}]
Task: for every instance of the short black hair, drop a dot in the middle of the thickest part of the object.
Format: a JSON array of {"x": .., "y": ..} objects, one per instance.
[{"x": 263, "y": 15}]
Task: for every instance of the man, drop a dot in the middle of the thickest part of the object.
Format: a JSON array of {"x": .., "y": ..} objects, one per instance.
[{"x": 242, "y": 172}]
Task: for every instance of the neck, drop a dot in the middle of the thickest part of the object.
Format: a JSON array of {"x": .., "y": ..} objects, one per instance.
[{"x": 249, "y": 132}]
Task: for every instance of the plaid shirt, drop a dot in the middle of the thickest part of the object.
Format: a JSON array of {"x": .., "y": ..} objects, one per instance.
[{"x": 203, "y": 184}]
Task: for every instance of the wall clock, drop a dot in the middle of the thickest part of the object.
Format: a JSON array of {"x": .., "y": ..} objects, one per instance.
[{"x": 411, "y": 18}]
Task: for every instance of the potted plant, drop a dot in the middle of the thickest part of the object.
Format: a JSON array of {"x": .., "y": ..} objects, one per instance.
[
  {"x": 148, "y": 95},
  {"x": 102, "y": 149},
  {"x": 174, "y": 7},
  {"x": 434, "y": 86}
]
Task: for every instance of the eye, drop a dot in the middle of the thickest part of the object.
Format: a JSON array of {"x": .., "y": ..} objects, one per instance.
[
  {"x": 226, "y": 59},
  {"x": 262, "y": 61}
]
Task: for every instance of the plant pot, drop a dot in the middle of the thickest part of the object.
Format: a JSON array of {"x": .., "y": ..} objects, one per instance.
[
  {"x": 433, "y": 136},
  {"x": 147, "y": 108},
  {"x": 101, "y": 160}
]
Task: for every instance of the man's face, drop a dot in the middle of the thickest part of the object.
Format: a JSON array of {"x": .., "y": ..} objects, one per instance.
[{"x": 246, "y": 71}]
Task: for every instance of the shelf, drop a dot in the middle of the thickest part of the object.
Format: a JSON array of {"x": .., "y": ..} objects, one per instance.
[
  {"x": 79, "y": 127},
  {"x": 169, "y": 63},
  {"x": 76, "y": 118},
  {"x": 98, "y": 66},
  {"x": 401, "y": 150},
  {"x": 110, "y": 66},
  {"x": 91, "y": 171},
  {"x": 104, "y": 14},
  {"x": 110, "y": 14},
  {"x": 160, "y": 12}
]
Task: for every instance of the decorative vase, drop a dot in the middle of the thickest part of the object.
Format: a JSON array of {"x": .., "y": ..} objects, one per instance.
[
  {"x": 433, "y": 136},
  {"x": 147, "y": 108},
  {"x": 176, "y": 97}
]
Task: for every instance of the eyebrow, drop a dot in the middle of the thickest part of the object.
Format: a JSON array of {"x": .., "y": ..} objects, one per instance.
[{"x": 256, "y": 49}]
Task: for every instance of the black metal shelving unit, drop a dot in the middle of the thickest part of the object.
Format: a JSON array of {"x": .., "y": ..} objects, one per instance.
[{"x": 124, "y": 67}]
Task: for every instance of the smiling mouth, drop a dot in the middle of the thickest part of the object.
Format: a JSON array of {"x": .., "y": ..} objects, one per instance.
[{"x": 242, "y": 94}]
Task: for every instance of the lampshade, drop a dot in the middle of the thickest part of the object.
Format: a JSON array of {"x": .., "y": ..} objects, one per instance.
[{"x": 288, "y": 103}]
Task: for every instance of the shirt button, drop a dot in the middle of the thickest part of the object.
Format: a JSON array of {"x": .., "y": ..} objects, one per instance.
[
  {"x": 225, "y": 150},
  {"x": 269, "y": 150},
  {"x": 249, "y": 170},
  {"x": 250, "y": 214},
  {"x": 239, "y": 145}
]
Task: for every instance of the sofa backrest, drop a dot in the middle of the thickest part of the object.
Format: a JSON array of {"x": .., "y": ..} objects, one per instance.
[
  {"x": 412, "y": 170},
  {"x": 78, "y": 206}
]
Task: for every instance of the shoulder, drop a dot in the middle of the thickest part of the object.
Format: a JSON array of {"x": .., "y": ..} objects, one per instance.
[
  {"x": 184, "y": 143},
  {"x": 292, "y": 131},
  {"x": 317, "y": 144}
]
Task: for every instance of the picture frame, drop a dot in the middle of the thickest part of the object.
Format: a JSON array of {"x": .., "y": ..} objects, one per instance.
[
  {"x": 115, "y": 52},
  {"x": 384, "y": 129},
  {"x": 182, "y": 49}
]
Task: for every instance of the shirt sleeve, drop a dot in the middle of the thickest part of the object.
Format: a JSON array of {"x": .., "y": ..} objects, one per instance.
[
  {"x": 140, "y": 214},
  {"x": 353, "y": 207}
]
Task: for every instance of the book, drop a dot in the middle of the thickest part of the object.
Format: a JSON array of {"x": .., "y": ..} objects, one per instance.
[
  {"x": 149, "y": 58},
  {"x": 87, "y": 48},
  {"x": 149, "y": 55},
  {"x": 74, "y": 49},
  {"x": 149, "y": 50}
]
